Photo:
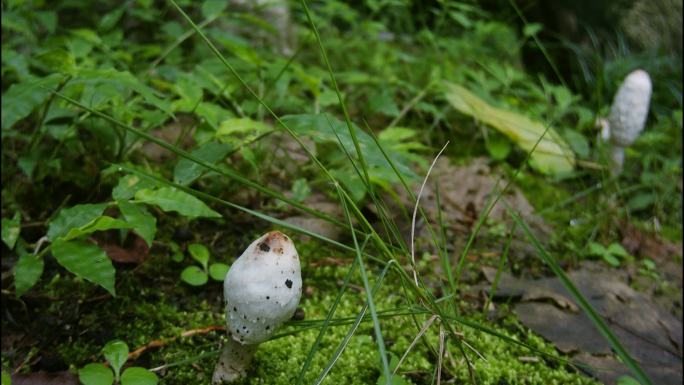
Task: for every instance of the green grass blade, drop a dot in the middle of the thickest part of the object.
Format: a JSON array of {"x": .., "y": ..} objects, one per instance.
[{"x": 369, "y": 293}]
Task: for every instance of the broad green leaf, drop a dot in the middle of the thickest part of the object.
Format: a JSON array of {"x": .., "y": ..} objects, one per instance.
[
  {"x": 95, "y": 374},
  {"x": 186, "y": 171},
  {"x": 11, "y": 229},
  {"x": 116, "y": 353},
  {"x": 27, "y": 271},
  {"x": 551, "y": 156},
  {"x": 136, "y": 375},
  {"x": 86, "y": 260},
  {"x": 596, "y": 249},
  {"x": 199, "y": 253},
  {"x": 48, "y": 19},
  {"x": 73, "y": 217},
  {"x": 578, "y": 142},
  {"x": 128, "y": 185},
  {"x": 22, "y": 98},
  {"x": 101, "y": 223},
  {"x": 144, "y": 223},
  {"x": 617, "y": 250},
  {"x": 171, "y": 199},
  {"x": 117, "y": 82},
  {"x": 194, "y": 276},
  {"x": 611, "y": 260},
  {"x": 641, "y": 201},
  {"x": 325, "y": 130},
  {"x": 110, "y": 19},
  {"x": 189, "y": 91},
  {"x": 531, "y": 29},
  {"x": 58, "y": 60},
  {"x": 218, "y": 271},
  {"x": 230, "y": 130}
]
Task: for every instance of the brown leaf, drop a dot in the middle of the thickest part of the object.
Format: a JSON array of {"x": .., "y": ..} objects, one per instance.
[{"x": 134, "y": 251}]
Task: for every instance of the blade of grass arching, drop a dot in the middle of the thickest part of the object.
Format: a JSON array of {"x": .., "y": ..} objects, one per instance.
[
  {"x": 415, "y": 212},
  {"x": 369, "y": 294},
  {"x": 326, "y": 322},
  {"x": 222, "y": 171},
  {"x": 343, "y": 105},
  {"x": 588, "y": 309},
  {"x": 499, "y": 269},
  {"x": 359, "y": 318}
]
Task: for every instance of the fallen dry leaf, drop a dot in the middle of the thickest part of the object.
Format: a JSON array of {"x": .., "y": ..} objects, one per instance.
[{"x": 134, "y": 250}]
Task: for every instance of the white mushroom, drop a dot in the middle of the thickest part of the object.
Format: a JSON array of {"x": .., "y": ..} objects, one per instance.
[
  {"x": 262, "y": 290},
  {"x": 628, "y": 115}
]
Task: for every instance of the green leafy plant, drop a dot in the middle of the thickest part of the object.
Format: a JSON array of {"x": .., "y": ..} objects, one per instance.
[
  {"x": 195, "y": 276},
  {"x": 116, "y": 354},
  {"x": 71, "y": 227},
  {"x": 612, "y": 255}
]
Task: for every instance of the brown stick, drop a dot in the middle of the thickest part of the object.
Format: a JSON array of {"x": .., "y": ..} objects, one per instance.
[{"x": 163, "y": 342}]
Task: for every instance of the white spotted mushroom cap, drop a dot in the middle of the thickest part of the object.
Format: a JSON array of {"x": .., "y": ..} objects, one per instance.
[
  {"x": 630, "y": 108},
  {"x": 262, "y": 288}
]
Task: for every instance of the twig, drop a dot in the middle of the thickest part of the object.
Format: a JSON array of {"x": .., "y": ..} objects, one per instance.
[{"x": 163, "y": 342}]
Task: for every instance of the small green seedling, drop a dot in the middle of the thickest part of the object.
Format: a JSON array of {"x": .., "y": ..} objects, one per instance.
[
  {"x": 611, "y": 254},
  {"x": 116, "y": 353},
  {"x": 195, "y": 276}
]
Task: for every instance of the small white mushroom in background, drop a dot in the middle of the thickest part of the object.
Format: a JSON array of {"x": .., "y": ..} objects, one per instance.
[
  {"x": 262, "y": 290},
  {"x": 628, "y": 115},
  {"x": 604, "y": 129}
]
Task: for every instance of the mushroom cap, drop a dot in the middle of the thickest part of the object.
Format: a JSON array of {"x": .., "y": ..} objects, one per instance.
[
  {"x": 262, "y": 288},
  {"x": 630, "y": 108}
]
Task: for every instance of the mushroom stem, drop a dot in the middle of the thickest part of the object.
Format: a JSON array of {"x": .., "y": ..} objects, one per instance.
[
  {"x": 617, "y": 159},
  {"x": 233, "y": 362}
]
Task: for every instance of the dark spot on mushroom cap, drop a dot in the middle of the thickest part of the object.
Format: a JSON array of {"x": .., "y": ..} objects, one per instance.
[
  {"x": 288, "y": 283},
  {"x": 268, "y": 297},
  {"x": 264, "y": 247}
]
